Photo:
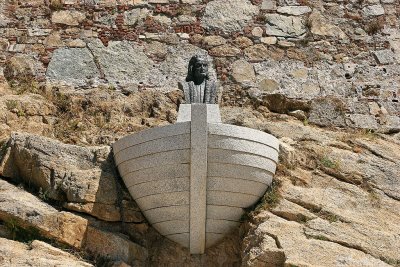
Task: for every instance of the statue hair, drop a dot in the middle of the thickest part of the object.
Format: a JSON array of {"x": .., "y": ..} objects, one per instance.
[{"x": 192, "y": 62}]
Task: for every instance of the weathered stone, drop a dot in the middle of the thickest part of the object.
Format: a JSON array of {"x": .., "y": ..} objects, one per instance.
[
  {"x": 29, "y": 211},
  {"x": 374, "y": 10},
  {"x": 284, "y": 26},
  {"x": 268, "y": 86},
  {"x": 224, "y": 51},
  {"x": 228, "y": 16},
  {"x": 362, "y": 121},
  {"x": 53, "y": 40},
  {"x": 320, "y": 26},
  {"x": 214, "y": 40},
  {"x": 68, "y": 17},
  {"x": 288, "y": 233},
  {"x": 243, "y": 42},
  {"x": 162, "y": 19},
  {"x": 77, "y": 43},
  {"x": 81, "y": 177},
  {"x": 268, "y": 5},
  {"x": 294, "y": 10},
  {"x": 242, "y": 71},
  {"x": 75, "y": 66},
  {"x": 384, "y": 57},
  {"x": 134, "y": 16},
  {"x": 3, "y": 18},
  {"x": 269, "y": 40},
  {"x": 37, "y": 253},
  {"x": 257, "y": 32},
  {"x": 284, "y": 43},
  {"x": 124, "y": 63},
  {"x": 114, "y": 247},
  {"x": 257, "y": 52},
  {"x": 20, "y": 69},
  {"x": 328, "y": 112}
]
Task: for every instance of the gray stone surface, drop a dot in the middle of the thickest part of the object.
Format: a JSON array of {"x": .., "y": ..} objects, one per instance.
[
  {"x": 374, "y": 10},
  {"x": 168, "y": 213},
  {"x": 228, "y": 16},
  {"x": 243, "y": 133},
  {"x": 172, "y": 227},
  {"x": 3, "y": 19},
  {"x": 242, "y": 172},
  {"x": 75, "y": 66},
  {"x": 294, "y": 10},
  {"x": 362, "y": 121},
  {"x": 239, "y": 158},
  {"x": 238, "y": 200},
  {"x": 236, "y": 186},
  {"x": 384, "y": 57},
  {"x": 124, "y": 63},
  {"x": 163, "y": 200},
  {"x": 213, "y": 114},
  {"x": 159, "y": 187},
  {"x": 246, "y": 146},
  {"x": 135, "y": 16},
  {"x": 151, "y": 134},
  {"x": 198, "y": 177},
  {"x": 284, "y": 26},
  {"x": 149, "y": 161},
  {"x": 169, "y": 143},
  {"x": 327, "y": 112},
  {"x": 224, "y": 212},
  {"x": 242, "y": 71},
  {"x": 156, "y": 173}
]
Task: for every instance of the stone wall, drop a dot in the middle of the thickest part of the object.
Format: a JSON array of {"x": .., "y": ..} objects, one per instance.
[{"x": 331, "y": 63}]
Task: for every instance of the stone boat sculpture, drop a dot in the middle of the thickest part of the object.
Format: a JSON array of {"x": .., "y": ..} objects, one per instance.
[{"x": 193, "y": 179}]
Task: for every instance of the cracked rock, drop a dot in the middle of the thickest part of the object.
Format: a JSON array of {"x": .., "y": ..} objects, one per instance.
[
  {"x": 228, "y": 16},
  {"x": 284, "y": 26}
]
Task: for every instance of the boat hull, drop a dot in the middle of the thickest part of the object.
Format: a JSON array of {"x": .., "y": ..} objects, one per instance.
[{"x": 193, "y": 188}]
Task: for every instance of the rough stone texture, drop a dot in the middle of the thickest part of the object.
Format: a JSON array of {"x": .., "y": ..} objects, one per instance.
[
  {"x": 334, "y": 59},
  {"x": 384, "y": 56},
  {"x": 228, "y": 16},
  {"x": 285, "y": 26},
  {"x": 294, "y": 10},
  {"x": 20, "y": 68},
  {"x": 242, "y": 71},
  {"x": 333, "y": 197},
  {"x": 37, "y": 253},
  {"x": 84, "y": 179},
  {"x": 27, "y": 210},
  {"x": 320, "y": 26},
  {"x": 75, "y": 66},
  {"x": 374, "y": 10},
  {"x": 123, "y": 63},
  {"x": 71, "y": 18}
]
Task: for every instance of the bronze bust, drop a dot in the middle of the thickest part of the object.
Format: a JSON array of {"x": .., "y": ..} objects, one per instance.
[{"x": 198, "y": 88}]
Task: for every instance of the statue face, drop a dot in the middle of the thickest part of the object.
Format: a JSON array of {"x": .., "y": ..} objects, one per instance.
[{"x": 200, "y": 68}]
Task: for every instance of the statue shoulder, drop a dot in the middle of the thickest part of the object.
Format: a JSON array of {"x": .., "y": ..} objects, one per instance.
[{"x": 183, "y": 85}]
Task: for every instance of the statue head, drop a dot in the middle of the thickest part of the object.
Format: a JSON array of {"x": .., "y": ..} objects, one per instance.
[{"x": 197, "y": 69}]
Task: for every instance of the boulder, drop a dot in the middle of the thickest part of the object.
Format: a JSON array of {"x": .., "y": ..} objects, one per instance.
[
  {"x": 37, "y": 253},
  {"x": 228, "y": 16},
  {"x": 83, "y": 179}
]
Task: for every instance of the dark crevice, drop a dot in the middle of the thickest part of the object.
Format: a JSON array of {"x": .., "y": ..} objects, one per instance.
[
  {"x": 319, "y": 211},
  {"x": 278, "y": 244}
]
